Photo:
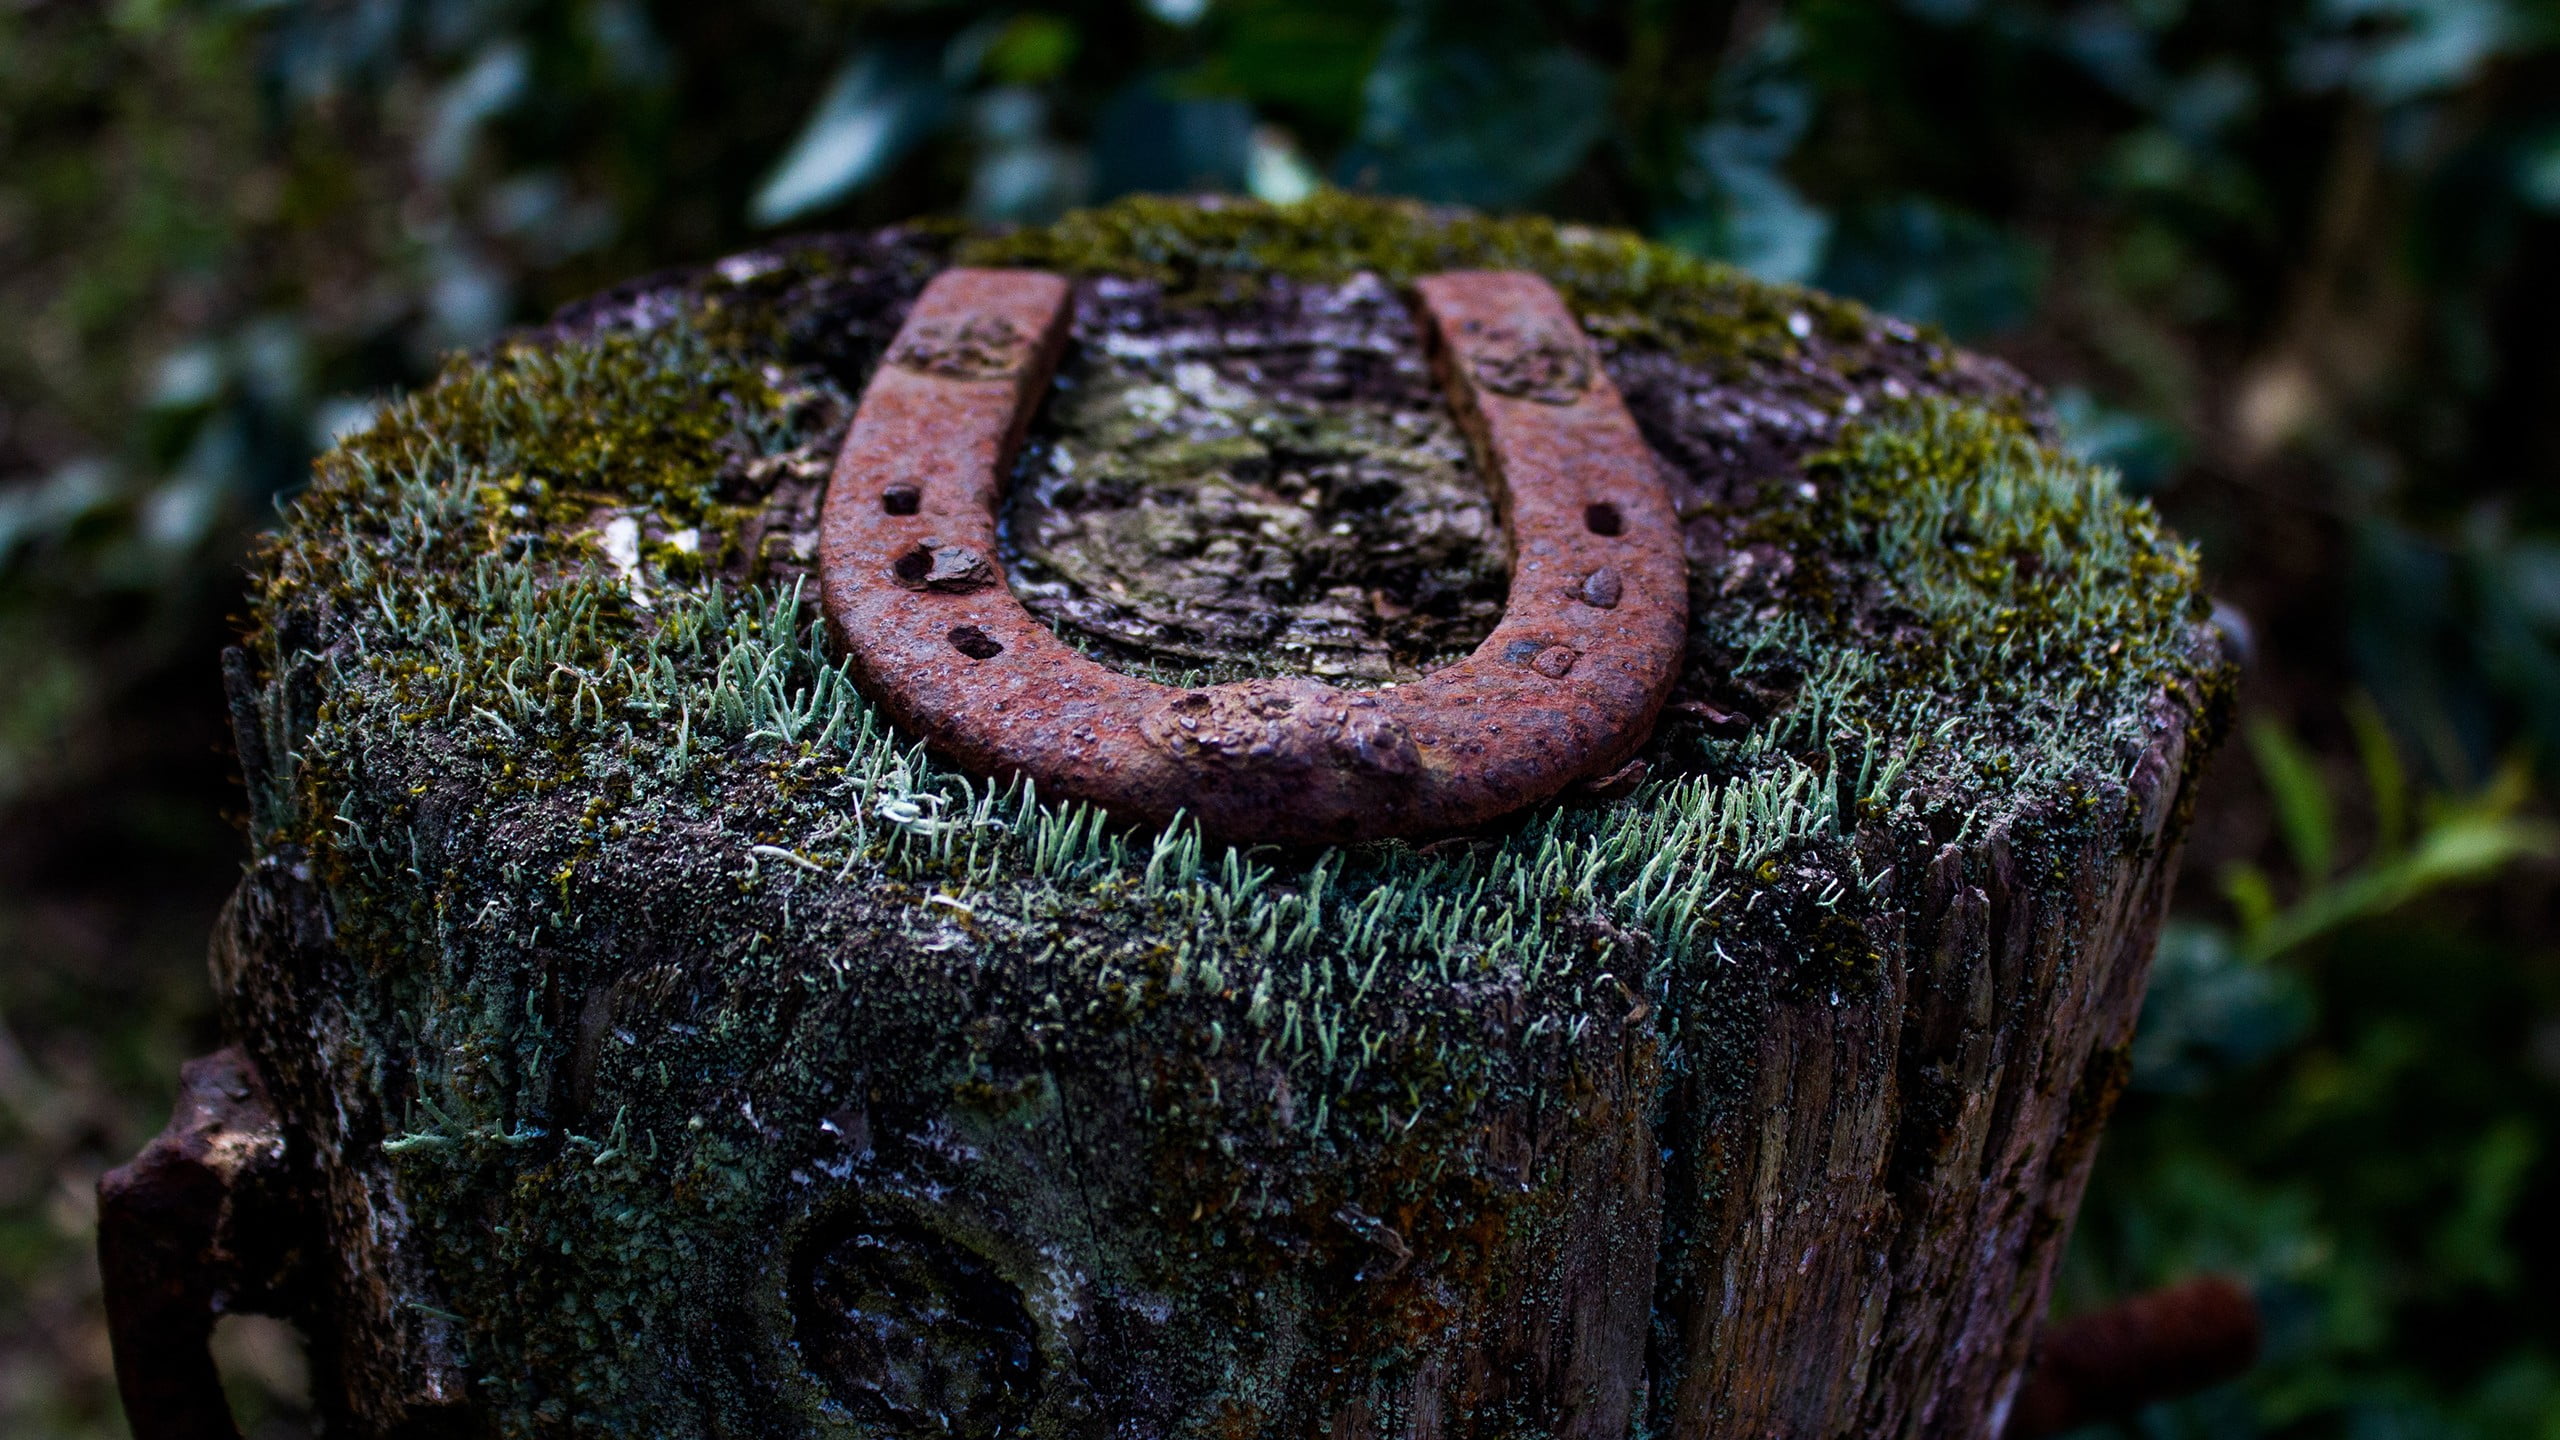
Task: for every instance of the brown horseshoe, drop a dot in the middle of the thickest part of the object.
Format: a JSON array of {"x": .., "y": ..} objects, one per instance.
[{"x": 1566, "y": 687}]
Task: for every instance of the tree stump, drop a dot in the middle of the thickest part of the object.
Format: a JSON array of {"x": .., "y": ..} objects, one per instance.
[{"x": 665, "y": 1043}]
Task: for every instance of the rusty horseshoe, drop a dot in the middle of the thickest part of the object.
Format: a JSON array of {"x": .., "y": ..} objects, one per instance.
[{"x": 1567, "y": 686}]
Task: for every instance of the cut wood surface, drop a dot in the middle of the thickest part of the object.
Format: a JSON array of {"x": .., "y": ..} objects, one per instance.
[{"x": 669, "y": 1045}]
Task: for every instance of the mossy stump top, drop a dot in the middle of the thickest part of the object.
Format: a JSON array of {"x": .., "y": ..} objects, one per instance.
[{"x": 671, "y": 1046}]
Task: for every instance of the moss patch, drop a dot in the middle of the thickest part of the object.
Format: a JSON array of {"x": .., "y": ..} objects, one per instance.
[{"x": 1639, "y": 294}]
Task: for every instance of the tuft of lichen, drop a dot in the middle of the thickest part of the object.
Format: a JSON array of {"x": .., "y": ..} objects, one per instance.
[{"x": 669, "y": 955}]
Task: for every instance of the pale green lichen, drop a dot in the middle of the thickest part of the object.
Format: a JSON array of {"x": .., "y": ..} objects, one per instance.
[{"x": 528, "y": 776}]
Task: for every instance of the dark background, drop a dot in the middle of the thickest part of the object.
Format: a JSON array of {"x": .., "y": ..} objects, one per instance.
[{"x": 2293, "y": 266}]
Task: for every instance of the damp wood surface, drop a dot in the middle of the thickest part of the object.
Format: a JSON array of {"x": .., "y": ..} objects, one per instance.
[{"x": 669, "y": 1045}]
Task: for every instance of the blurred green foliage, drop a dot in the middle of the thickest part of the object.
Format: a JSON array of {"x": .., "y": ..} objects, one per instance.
[
  {"x": 2326, "y": 1099},
  {"x": 2278, "y": 262}
]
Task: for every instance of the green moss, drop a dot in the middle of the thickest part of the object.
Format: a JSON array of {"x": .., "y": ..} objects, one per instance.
[
  {"x": 556, "y": 430},
  {"x": 1628, "y": 291},
  {"x": 638, "y": 895},
  {"x": 2030, "y": 570},
  {"x": 1960, "y": 580}
]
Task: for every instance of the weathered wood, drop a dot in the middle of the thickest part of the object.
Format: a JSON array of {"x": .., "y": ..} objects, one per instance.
[{"x": 673, "y": 1048}]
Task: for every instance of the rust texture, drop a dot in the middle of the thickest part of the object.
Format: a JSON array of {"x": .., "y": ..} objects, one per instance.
[
  {"x": 2107, "y": 1364},
  {"x": 1566, "y": 687},
  {"x": 192, "y": 1228}
]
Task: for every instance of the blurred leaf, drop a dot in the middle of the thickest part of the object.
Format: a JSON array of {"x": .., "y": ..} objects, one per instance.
[
  {"x": 1031, "y": 49},
  {"x": 45, "y": 512},
  {"x": 1459, "y": 121},
  {"x": 2301, "y": 797},
  {"x": 1022, "y": 172},
  {"x": 2470, "y": 1247},
  {"x": 1278, "y": 172},
  {"x": 1737, "y": 203},
  {"x": 469, "y": 294},
  {"x": 2533, "y": 581},
  {"x": 1151, "y": 138},
  {"x": 1310, "y": 57},
  {"x": 2521, "y": 1397},
  {"x": 2386, "y": 779},
  {"x": 2463, "y": 839},
  {"x": 2142, "y": 451},
  {"x": 2414, "y": 652},
  {"x": 2252, "y": 896},
  {"x": 2538, "y": 172},
  {"x": 1930, "y": 262},
  {"x": 2513, "y": 628},
  {"x": 2394, "y": 50},
  {"x": 2211, "y": 1011},
  {"x": 489, "y": 88},
  {"x": 884, "y": 101}
]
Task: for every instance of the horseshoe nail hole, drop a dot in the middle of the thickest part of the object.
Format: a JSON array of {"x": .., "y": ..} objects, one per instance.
[
  {"x": 973, "y": 642},
  {"x": 904, "y": 500},
  {"x": 913, "y": 566},
  {"x": 1601, "y": 519}
]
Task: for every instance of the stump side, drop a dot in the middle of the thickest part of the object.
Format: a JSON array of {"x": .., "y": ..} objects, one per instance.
[{"x": 657, "y": 1024}]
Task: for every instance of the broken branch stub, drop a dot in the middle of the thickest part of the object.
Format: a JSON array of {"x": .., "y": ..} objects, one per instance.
[
  {"x": 196, "y": 1226},
  {"x": 1566, "y": 687}
]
